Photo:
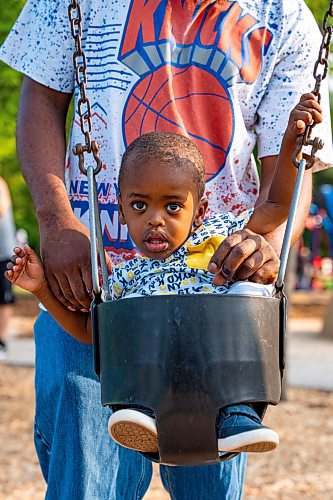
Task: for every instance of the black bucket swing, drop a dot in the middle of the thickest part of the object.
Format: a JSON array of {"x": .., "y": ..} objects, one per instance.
[{"x": 178, "y": 354}]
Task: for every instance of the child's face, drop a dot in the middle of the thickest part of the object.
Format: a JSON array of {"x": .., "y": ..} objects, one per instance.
[{"x": 159, "y": 207}]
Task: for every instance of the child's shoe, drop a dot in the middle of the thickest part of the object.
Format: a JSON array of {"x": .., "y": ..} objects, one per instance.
[
  {"x": 134, "y": 429},
  {"x": 240, "y": 429}
]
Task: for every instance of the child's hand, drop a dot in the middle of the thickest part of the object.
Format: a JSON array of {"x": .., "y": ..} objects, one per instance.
[
  {"x": 26, "y": 270},
  {"x": 308, "y": 110}
]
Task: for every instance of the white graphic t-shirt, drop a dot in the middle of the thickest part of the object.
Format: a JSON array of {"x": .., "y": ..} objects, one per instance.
[
  {"x": 225, "y": 73},
  {"x": 185, "y": 271}
]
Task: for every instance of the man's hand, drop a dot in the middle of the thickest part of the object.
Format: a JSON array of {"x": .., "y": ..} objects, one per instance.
[
  {"x": 65, "y": 249},
  {"x": 244, "y": 255}
]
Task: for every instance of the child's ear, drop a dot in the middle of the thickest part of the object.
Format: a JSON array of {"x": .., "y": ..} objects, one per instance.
[
  {"x": 200, "y": 212},
  {"x": 122, "y": 219}
]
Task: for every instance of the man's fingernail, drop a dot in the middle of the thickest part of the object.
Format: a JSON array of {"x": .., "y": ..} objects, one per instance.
[{"x": 212, "y": 268}]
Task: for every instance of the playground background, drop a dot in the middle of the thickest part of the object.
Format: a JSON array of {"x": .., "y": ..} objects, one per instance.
[{"x": 302, "y": 466}]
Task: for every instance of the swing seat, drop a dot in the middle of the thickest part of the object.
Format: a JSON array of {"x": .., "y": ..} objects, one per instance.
[{"x": 185, "y": 357}]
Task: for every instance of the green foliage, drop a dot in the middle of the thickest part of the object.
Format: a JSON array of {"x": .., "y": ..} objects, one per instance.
[
  {"x": 318, "y": 8},
  {"x": 10, "y": 82}
]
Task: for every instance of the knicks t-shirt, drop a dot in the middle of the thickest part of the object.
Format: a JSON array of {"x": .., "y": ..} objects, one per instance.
[{"x": 224, "y": 73}]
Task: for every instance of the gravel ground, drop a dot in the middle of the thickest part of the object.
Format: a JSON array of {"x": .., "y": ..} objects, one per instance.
[{"x": 301, "y": 468}]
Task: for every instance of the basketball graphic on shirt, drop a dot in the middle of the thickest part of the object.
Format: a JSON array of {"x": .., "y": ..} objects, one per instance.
[{"x": 188, "y": 101}]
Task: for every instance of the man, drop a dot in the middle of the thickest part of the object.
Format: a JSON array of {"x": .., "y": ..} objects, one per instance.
[{"x": 225, "y": 73}]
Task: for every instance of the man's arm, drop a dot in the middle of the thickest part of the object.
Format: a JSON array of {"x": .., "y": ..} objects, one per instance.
[
  {"x": 246, "y": 255},
  {"x": 41, "y": 148}
]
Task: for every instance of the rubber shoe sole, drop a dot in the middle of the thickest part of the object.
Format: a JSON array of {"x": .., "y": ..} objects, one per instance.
[
  {"x": 134, "y": 430},
  {"x": 257, "y": 441}
]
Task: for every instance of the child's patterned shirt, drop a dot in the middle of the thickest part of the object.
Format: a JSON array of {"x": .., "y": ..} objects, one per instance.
[{"x": 183, "y": 272}]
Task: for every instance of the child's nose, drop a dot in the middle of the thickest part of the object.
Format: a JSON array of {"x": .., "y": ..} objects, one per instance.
[{"x": 156, "y": 220}]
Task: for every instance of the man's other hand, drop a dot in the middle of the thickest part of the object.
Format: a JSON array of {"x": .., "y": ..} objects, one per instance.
[
  {"x": 244, "y": 255},
  {"x": 65, "y": 249}
]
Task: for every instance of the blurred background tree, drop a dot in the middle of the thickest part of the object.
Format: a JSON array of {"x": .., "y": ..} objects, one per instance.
[
  {"x": 10, "y": 82},
  {"x": 318, "y": 8}
]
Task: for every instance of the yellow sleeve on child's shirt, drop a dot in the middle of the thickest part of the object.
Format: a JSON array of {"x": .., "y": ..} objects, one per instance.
[{"x": 200, "y": 254}]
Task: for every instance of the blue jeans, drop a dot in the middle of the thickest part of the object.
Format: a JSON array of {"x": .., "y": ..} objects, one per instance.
[{"x": 78, "y": 459}]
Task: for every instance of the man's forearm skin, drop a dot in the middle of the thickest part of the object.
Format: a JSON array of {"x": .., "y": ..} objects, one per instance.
[{"x": 41, "y": 148}]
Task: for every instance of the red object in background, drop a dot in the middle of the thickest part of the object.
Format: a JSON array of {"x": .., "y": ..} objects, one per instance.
[{"x": 316, "y": 261}]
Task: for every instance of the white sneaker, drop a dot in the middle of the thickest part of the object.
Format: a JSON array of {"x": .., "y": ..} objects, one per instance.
[
  {"x": 257, "y": 441},
  {"x": 240, "y": 429},
  {"x": 135, "y": 430}
]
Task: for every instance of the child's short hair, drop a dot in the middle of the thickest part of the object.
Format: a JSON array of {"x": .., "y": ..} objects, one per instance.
[{"x": 168, "y": 147}]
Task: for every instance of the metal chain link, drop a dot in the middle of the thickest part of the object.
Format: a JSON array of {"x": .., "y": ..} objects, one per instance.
[
  {"x": 320, "y": 72},
  {"x": 84, "y": 108}
]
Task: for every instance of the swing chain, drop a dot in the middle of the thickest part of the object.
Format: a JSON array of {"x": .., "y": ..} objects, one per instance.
[
  {"x": 84, "y": 108},
  {"x": 319, "y": 75}
]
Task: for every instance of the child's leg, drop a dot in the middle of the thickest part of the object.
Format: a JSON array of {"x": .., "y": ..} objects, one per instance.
[
  {"x": 239, "y": 426},
  {"x": 239, "y": 429},
  {"x": 134, "y": 427}
]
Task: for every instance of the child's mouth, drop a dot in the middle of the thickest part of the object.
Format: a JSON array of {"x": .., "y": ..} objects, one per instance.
[{"x": 155, "y": 242}]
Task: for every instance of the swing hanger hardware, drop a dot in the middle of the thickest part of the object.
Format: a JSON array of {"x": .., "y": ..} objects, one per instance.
[
  {"x": 84, "y": 108},
  {"x": 98, "y": 260},
  {"x": 320, "y": 72},
  {"x": 79, "y": 150}
]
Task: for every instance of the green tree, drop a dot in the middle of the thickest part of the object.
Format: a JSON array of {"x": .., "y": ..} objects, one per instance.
[
  {"x": 10, "y": 83},
  {"x": 318, "y": 8}
]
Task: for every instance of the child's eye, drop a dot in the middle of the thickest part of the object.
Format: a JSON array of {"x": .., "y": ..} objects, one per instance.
[
  {"x": 139, "y": 206},
  {"x": 173, "y": 208}
]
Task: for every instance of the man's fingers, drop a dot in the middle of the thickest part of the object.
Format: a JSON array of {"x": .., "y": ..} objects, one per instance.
[
  {"x": 245, "y": 255},
  {"x": 224, "y": 249},
  {"x": 57, "y": 291},
  {"x": 266, "y": 274},
  {"x": 80, "y": 294},
  {"x": 250, "y": 265},
  {"x": 87, "y": 280},
  {"x": 235, "y": 259},
  {"x": 239, "y": 254},
  {"x": 72, "y": 289}
]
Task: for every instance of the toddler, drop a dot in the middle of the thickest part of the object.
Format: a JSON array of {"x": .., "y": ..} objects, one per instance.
[{"x": 161, "y": 188}]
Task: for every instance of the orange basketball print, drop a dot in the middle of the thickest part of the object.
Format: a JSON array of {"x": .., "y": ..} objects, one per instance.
[{"x": 187, "y": 101}]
